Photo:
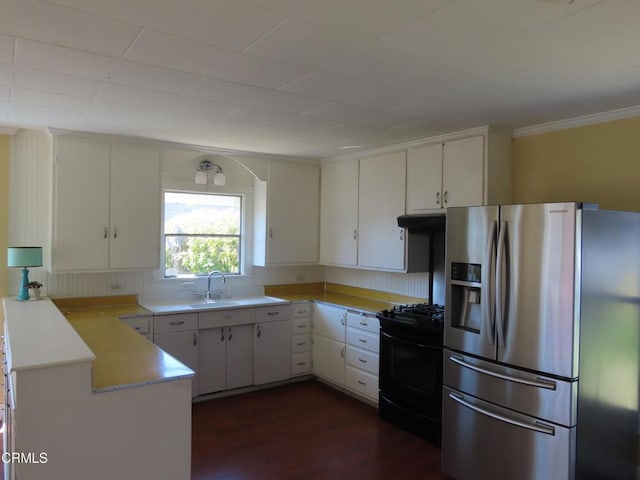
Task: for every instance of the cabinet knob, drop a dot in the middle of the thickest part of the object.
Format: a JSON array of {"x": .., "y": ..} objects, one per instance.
[
  {"x": 355, "y": 234},
  {"x": 229, "y": 335},
  {"x": 444, "y": 197},
  {"x": 401, "y": 234},
  {"x": 106, "y": 232},
  {"x": 437, "y": 198},
  {"x": 258, "y": 332},
  {"x": 115, "y": 232}
]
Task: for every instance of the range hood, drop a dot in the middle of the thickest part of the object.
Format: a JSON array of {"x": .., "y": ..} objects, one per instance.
[{"x": 424, "y": 223}]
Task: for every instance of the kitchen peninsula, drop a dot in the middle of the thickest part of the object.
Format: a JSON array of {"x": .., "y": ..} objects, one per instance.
[{"x": 81, "y": 405}]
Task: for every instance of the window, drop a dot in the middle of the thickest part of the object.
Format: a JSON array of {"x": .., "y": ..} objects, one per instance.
[{"x": 201, "y": 233}]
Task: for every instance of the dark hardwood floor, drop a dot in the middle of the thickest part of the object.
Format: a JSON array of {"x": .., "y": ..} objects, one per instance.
[{"x": 303, "y": 431}]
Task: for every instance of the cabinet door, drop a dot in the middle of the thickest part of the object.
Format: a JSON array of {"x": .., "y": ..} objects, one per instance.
[
  {"x": 462, "y": 172},
  {"x": 184, "y": 347},
  {"x": 293, "y": 209},
  {"x": 330, "y": 322},
  {"x": 424, "y": 178},
  {"x": 339, "y": 214},
  {"x": 212, "y": 360},
  {"x": 239, "y": 356},
  {"x": 81, "y": 210},
  {"x": 381, "y": 243},
  {"x": 328, "y": 359},
  {"x": 272, "y": 352},
  {"x": 135, "y": 207}
]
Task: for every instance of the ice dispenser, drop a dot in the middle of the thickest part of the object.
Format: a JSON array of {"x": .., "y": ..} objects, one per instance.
[{"x": 466, "y": 289}]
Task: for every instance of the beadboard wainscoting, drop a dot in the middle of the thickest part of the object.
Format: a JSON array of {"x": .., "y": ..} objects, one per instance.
[{"x": 410, "y": 284}]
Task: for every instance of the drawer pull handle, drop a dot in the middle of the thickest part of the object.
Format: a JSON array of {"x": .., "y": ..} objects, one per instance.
[
  {"x": 362, "y": 340},
  {"x": 300, "y": 312},
  {"x": 301, "y": 363},
  {"x": 301, "y": 326},
  {"x": 364, "y": 324},
  {"x": 179, "y": 322},
  {"x": 272, "y": 313},
  {"x": 301, "y": 343},
  {"x": 362, "y": 383},
  {"x": 362, "y": 360},
  {"x": 137, "y": 329}
]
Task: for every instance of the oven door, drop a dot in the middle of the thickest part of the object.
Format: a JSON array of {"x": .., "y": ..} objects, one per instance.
[{"x": 411, "y": 373}]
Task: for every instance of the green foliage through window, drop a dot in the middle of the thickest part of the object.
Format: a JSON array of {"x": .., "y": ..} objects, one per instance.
[{"x": 201, "y": 233}]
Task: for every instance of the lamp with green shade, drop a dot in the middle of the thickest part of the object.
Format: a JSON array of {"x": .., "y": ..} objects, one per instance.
[{"x": 23, "y": 257}]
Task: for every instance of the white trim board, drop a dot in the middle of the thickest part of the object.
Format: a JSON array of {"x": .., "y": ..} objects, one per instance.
[{"x": 602, "y": 117}]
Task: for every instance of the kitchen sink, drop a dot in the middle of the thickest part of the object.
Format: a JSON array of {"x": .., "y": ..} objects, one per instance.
[{"x": 208, "y": 303}]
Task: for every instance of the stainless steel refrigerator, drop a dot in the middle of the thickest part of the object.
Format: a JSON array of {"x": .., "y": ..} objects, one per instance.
[{"x": 542, "y": 338}]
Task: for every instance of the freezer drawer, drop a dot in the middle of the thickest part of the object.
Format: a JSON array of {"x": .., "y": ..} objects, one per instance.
[
  {"x": 533, "y": 394},
  {"x": 482, "y": 440}
]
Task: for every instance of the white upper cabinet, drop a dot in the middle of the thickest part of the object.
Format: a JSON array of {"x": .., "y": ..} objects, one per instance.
[
  {"x": 286, "y": 215},
  {"x": 381, "y": 200},
  {"x": 474, "y": 170},
  {"x": 106, "y": 206},
  {"x": 135, "y": 207},
  {"x": 339, "y": 214}
]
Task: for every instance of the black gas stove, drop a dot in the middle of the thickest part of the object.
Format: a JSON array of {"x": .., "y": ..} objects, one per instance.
[
  {"x": 418, "y": 315},
  {"x": 411, "y": 338}
]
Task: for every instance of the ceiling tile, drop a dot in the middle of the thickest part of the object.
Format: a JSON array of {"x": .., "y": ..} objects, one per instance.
[
  {"x": 179, "y": 53},
  {"x": 280, "y": 119},
  {"x": 225, "y": 23},
  {"x": 55, "y": 82},
  {"x": 520, "y": 14},
  {"x": 302, "y": 44},
  {"x": 249, "y": 96},
  {"x": 365, "y": 117},
  {"x": 34, "y": 115},
  {"x": 6, "y": 49},
  {"x": 162, "y": 101},
  {"x": 46, "y": 99},
  {"x": 366, "y": 19},
  {"x": 5, "y": 92},
  {"x": 344, "y": 89},
  {"x": 44, "y": 22},
  {"x": 6, "y": 74},
  {"x": 99, "y": 67}
]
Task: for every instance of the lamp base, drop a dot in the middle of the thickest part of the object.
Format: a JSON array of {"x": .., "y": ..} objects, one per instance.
[{"x": 23, "y": 294}]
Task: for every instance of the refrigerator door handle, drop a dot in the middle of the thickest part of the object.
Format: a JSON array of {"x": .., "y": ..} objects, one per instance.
[
  {"x": 488, "y": 290},
  {"x": 499, "y": 283},
  {"x": 538, "y": 383},
  {"x": 536, "y": 426}
]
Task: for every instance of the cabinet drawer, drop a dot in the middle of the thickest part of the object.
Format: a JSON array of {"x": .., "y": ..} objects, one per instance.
[
  {"x": 363, "y": 321},
  {"x": 300, "y": 363},
  {"x": 226, "y": 318},
  {"x": 273, "y": 313},
  {"x": 175, "y": 323},
  {"x": 300, "y": 325},
  {"x": 362, "y": 383},
  {"x": 363, "y": 359},
  {"x": 301, "y": 343},
  {"x": 301, "y": 309},
  {"x": 139, "y": 324},
  {"x": 361, "y": 339}
]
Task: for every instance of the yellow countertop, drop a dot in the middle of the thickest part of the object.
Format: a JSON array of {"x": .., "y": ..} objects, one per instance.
[
  {"x": 124, "y": 358},
  {"x": 366, "y": 300}
]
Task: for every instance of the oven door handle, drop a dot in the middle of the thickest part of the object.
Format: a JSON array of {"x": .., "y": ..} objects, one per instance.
[
  {"x": 538, "y": 383},
  {"x": 412, "y": 344}
]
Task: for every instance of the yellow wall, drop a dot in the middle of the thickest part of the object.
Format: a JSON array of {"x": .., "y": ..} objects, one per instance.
[
  {"x": 595, "y": 163},
  {"x": 4, "y": 213}
]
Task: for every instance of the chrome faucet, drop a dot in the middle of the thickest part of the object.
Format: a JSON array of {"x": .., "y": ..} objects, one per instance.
[{"x": 215, "y": 272}]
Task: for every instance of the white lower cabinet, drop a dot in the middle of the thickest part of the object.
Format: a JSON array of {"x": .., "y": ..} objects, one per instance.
[
  {"x": 329, "y": 350},
  {"x": 225, "y": 358},
  {"x": 363, "y": 349},
  {"x": 141, "y": 325},
  {"x": 328, "y": 359},
  {"x": 301, "y": 338},
  {"x": 272, "y": 352},
  {"x": 178, "y": 336}
]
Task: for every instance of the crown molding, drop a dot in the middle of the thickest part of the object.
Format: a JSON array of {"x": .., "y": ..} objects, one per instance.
[{"x": 608, "y": 116}]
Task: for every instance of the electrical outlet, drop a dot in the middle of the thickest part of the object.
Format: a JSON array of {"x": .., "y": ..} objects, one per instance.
[{"x": 300, "y": 277}]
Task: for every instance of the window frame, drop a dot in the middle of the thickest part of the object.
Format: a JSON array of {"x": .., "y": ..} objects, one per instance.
[{"x": 242, "y": 236}]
